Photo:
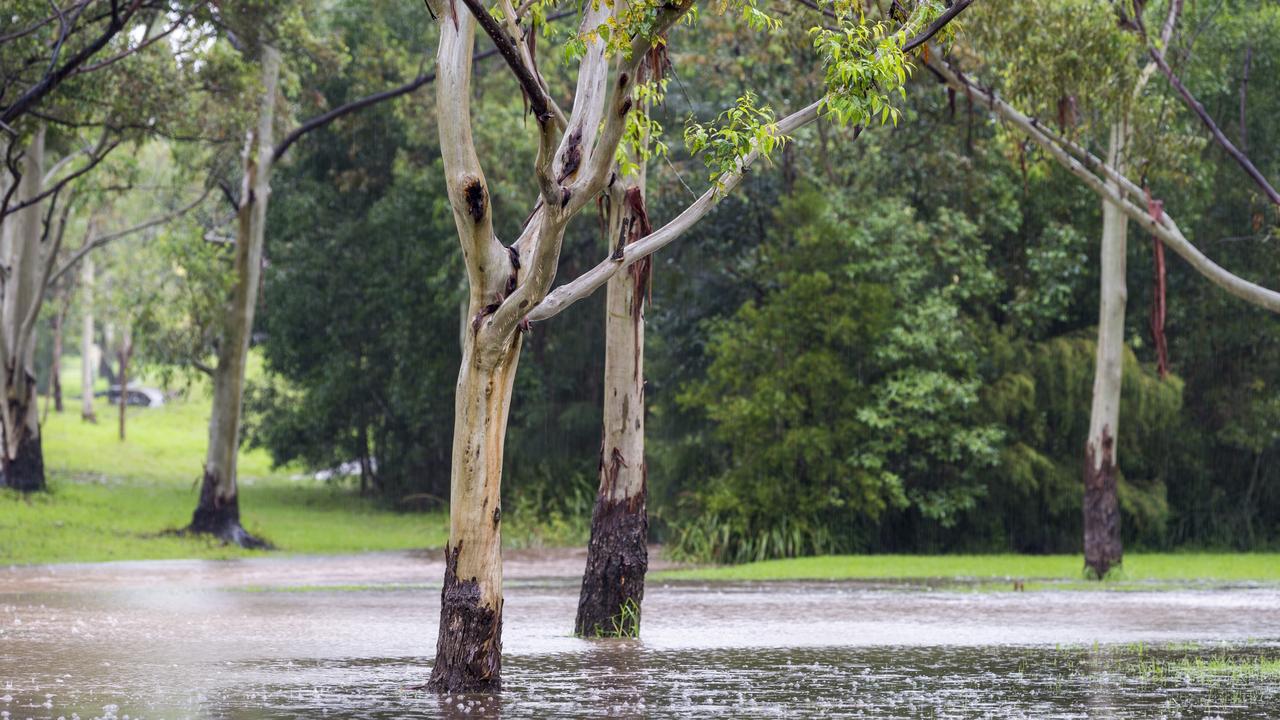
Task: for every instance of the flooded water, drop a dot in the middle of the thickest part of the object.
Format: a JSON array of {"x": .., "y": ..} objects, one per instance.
[{"x": 349, "y": 637}]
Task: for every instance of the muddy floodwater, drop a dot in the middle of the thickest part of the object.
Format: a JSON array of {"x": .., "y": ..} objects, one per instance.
[{"x": 282, "y": 637}]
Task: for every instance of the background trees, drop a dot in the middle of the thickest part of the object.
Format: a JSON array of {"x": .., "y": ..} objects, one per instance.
[{"x": 1031, "y": 269}]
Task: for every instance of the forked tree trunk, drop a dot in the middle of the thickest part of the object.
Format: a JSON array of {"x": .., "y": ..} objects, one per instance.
[
  {"x": 1102, "y": 545},
  {"x": 469, "y": 644},
  {"x": 22, "y": 460},
  {"x": 218, "y": 510},
  {"x": 86, "y": 340},
  {"x": 505, "y": 284},
  {"x": 617, "y": 553}
]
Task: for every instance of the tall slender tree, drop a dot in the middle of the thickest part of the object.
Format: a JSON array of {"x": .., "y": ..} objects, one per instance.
[{"x": 218, "y": 510}]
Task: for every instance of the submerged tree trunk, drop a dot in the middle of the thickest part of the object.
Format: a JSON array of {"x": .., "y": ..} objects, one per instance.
[
  {"x": 218, "y": 510},
  {"x": 1102, "y": 545},
  {"x": 617, "y": 553},
  {"x": 86, "y": 340},
  {"x": 22, "y": 460},
  {"x": 469, "y": 644}
]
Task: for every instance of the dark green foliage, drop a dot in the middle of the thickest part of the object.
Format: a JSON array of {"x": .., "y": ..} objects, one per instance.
[{"x": 880, "y": 345}]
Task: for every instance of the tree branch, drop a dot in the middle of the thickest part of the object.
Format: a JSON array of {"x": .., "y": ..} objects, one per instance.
[
  {"x": 54, "y": 78},
  {"x": 1241, "y": 159},
  {"x": 99, "y": 241},
  {"x": 1162, "y": 227},
  {"x": 97, "y": 156},
  {"x": 937, "y": 25},
  {"x": 487, "y": 262},
  {"x": 538, "y": 101},
  {"x": 587, "y": 283},
  {"x": 141, "y": 46}
]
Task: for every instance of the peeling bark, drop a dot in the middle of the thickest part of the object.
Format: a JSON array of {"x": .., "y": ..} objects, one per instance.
[
  {"x": 1102, "y": 548},
  {"x": 469, "y": 647}
]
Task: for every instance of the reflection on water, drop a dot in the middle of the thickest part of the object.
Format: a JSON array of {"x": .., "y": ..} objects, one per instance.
[{"x": 215, "y": 649}]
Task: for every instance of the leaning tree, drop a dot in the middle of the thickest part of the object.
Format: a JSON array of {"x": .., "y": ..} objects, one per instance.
[{"x": 865, "y": 62}]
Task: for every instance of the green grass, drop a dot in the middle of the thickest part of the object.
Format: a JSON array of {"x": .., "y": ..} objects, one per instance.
[
  {"x": 111, "y": 500},
  {"x": 1138, "y": 567}
]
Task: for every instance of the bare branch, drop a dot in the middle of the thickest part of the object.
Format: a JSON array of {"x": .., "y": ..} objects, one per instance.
[
  {"x": 539, "y": 103},
  {"x": 1162, "y": 227},
  {"x": 97, "y": 242},
  {"x": 143, "y": 45},
  {"x": 97, "y": 156},
  {"x": 1157, "y": 55}
]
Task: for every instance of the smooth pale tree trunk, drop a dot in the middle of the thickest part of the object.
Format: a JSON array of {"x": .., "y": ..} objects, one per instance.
[
  {"x": 218, "y": 510},
  {"x": 469, "y": 646},
  {"x": 22, "y": 459},
  {"x": 87, "y": 365},
  {"x": 617, "y": 553},
  {"x": 576, "y": 157},
  {"x": 1102, "y": 544}
]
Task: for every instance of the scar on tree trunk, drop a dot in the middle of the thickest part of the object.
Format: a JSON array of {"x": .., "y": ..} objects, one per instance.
[
  {"x": 25, "y": 472},
  {"x": 469, "y": 647},
  {"x": 617, "y": 559},
  {"x": 1102, "y": 548},
  {"x": 220, "y": 517}
]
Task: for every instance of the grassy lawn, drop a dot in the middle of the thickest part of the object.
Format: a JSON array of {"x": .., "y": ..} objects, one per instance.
[
  {"x": 1138, "y": 567},
  {"x": 110, "y": 500}
]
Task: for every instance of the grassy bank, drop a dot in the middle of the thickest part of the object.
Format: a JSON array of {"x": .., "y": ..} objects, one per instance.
[
  {"x": 1138, "y": 567},
  {"x": 112, "y": 500}
]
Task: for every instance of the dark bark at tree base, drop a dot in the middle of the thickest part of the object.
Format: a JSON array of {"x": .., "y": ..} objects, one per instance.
[
  {"x": 25, "y": 472},
  {"x": 469, "y": 647},
  {"x": 617, "y": 559},
  {"x": 221, "y": 519},
  {"x": 1103, "y": 549}
]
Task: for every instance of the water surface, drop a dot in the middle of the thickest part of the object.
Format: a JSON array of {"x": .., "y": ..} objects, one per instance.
[{"x": 350, "y": 637}]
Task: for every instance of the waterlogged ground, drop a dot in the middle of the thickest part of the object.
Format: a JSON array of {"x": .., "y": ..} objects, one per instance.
[{"x": 349, "y": 637}]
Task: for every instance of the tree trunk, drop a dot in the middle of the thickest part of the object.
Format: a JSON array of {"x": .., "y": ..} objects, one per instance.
[
  {"x": 617, "y": 554},
  {"x": 104, "y": 357},
  {"x": 125, "y": 352},
  {"x": 469, "y": 644},
  {"x": 1102, "y": 545},
  {"x": 22, "y": 460},
  {"x": 55, "y": 367},
  {"x": 86, "y": 341},
  {"x": 218, "y": 510}
]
